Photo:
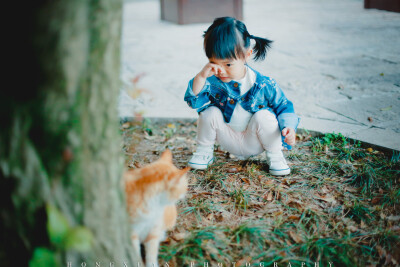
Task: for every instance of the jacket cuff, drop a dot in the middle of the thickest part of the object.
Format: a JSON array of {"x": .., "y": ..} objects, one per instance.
[
  {"x": 288, "y": 120},
  {"x": 199, "y": 100},
  {"x": 189, "y": 91}
]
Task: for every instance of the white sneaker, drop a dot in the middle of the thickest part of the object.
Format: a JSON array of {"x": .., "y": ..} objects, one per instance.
[
  {"x": 203, "y": 157},
  {"x": 277, "y": 163}
]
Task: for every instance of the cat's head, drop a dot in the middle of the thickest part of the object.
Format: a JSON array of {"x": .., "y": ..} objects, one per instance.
[
  {"x": 159, "y": 177},
  {"x": 176, "y": 179}
]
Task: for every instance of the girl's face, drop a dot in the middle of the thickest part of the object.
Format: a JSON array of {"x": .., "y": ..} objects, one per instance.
[{"x": 231, "y": 69}]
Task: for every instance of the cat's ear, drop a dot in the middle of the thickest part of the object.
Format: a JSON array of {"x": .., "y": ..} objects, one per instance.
[
  {"x": 178, "y": 174},
  {"x": 167, "y": 155}
]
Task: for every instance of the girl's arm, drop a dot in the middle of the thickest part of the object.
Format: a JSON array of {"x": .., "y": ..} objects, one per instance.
[
  {"x": 198, "y": 84},
  {"x": 282, "y": 107},
  {"x": 201, "y": 99},
  {"x": 200, "y": 79}
]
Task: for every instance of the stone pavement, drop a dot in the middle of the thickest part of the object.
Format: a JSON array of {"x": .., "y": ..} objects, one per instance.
[{"x": 336, "y": 61}]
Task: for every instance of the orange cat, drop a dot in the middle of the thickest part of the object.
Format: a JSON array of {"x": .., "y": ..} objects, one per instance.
[{"x": 151, "y": 193}]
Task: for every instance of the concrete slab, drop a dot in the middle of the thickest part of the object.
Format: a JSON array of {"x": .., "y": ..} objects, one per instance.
[
  {"x": 381, "y": 137},
  {"x": 338, "y": 62},
  {"x": 381, "y": 111},
  {"x": 330, "y": 126}
]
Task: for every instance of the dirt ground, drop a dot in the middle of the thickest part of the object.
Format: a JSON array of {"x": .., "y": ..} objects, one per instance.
[{"x": 338, "y": 207}]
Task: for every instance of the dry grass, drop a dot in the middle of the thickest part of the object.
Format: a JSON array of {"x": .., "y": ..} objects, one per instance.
[{"x": 341, "y": 204}]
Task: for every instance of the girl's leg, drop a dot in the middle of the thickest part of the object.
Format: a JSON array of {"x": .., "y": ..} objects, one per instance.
[
  {"x": 212, "y": 127},
  {"x": 262, "y": 133}
]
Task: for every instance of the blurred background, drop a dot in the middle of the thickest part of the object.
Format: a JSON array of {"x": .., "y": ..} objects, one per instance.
[{"x": 337, "y": 61}]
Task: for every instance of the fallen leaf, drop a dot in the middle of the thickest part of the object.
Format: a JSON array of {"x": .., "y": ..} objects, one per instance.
[
  {"x": 278, "y": 213},
  {"x": 294, "y": 204},
  {"x": 352, "y": 189},
  {"x": 232, "y": 170},
  {"x": 375, "y": 200},
  {"x": 126, "y": 125},
  {"x": 136, "y": 79},
  {"x": 247, "y": 181},
  {"x": 370, "y": 119},
  {"x": 352, "y": 228},
  {"x": 269, "y": 196},
  {"x": 219, "y": 217},
  {"x": 294, "y": 217},
  {"x": 326, "y": 198},
  {"x": 179, "y": 236},
  {"x": 136, "y": 92},
  {"x": 296, "y": 238},
  {"x": 386, "y": 108},
  {"x": 269, "y": 182},
  {"x": 243, "y": 262}
]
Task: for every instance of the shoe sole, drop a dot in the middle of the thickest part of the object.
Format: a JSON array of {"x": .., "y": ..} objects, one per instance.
[
  {"x": 279, "y": 172},
  {"x": 200, "y": 166}
]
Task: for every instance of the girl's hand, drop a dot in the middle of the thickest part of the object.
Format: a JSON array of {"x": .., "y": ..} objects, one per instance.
[
  {"x": 209, "y": 69},
  {"x": 290, "y": 136}
]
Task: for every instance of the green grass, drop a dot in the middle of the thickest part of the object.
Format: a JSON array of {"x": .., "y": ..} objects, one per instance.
[
  {"x": 201, "y": 245},
  {"x": 341, "y": 204},
  {"x": 240, "y": 198},
  {"x": 198, "y": 207}
]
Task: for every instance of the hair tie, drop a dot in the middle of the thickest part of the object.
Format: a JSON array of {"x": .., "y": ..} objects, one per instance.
[{"x": 247, "y": 34}]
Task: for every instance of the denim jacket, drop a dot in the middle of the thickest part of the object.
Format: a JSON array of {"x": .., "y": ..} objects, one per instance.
[{"x": 265, "y": 94}]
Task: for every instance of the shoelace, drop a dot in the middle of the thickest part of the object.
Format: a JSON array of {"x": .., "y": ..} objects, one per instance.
[{"x": 201, "y": 154}]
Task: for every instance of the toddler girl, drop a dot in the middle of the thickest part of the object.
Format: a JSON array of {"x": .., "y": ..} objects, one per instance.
[{"x": 245, "y": 111}]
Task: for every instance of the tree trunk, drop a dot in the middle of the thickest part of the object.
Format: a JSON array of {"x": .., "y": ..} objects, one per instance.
[{"x": 60, "y": 140}]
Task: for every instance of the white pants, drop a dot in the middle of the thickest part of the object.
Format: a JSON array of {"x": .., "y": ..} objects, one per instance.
[{"x": 262, "y": 133}]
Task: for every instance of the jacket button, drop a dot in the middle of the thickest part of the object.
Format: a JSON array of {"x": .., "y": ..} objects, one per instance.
[
  {"x": 242, "y": 98},
  {"x": 260, "y": 106},
  {"x": 231, "y": 101},
  {"x": 236, "y": 84},
  {"x": 217, "y": 96}
]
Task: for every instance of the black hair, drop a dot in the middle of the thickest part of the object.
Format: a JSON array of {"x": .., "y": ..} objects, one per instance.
[{"x": 228, "y": 37}]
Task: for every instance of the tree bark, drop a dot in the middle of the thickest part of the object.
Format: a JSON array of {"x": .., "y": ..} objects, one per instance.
[{"x": 60, "y": 140}]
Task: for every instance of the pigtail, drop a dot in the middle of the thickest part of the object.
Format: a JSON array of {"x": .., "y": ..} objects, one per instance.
[{"x": 261, "y": 47}]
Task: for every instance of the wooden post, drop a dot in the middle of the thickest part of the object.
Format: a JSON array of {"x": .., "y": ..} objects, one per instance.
[{"x": 199, "y": 11}]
